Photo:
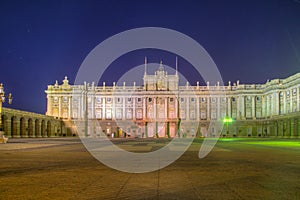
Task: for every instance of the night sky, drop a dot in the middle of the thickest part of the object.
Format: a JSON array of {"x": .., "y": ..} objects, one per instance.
[{"x": 43, "y": 41}]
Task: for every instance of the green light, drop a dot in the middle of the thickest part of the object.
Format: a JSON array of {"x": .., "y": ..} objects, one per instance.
[{"x": 227, "y": 120}]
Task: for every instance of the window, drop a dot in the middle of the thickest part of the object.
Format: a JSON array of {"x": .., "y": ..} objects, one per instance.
[
  {"x": 233, "y": 99},
  {"x": 281, "y": 94},
  {"x": 108, "y": 114},
  {"x": 108, "y": 100},
  {"x": 257, "y": 98},
  {"x": 119, "y": 100},
  {"x": 139, "y": 114},
  {"x": 213, "y": 115},
  {"x": 171, "y": 99},
  {"x": 99, "y": 113},
  {"x": 65, "y": 99},
  {"x": 182, "y": 99},
  {"x": 203, "y": 114},
  {"x": 182, "y": 113},
  {"x": 192, "y": 99},
  {"x": 55, "y": 99},
  {"x": 139, "y": 100},
  {"x": 294, "y": 91},
  {"x": 98, "y": 99},
  {"x": 150, "y": 100},
  {"x": 213, "y": 99},
  {"x": 129, "y": 100},
  {"x": 171, "y": 113},
  {"x": 192, "y": 114},
  {"x": 248, "y": 98},
  {"x": 129, "y": 114},
  {"x": 119, "y": 114},
  {"x": 203, "y": 100}
]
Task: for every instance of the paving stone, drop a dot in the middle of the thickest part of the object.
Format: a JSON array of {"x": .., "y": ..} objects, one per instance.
[{"x": 64, "y": 169}]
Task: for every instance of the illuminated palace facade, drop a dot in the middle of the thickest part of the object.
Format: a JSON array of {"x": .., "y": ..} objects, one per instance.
[{"x": 161, "y": 107}]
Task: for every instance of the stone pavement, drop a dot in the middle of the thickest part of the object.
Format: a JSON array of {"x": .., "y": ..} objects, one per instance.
[{"x": 61, "y": 168}]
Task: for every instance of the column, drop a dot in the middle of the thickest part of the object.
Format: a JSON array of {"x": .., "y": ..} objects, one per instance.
[
  {"x": 241, "y": 107},
  {"x": 154, "y": 107},
  {"x": 166, "y": 107},
  {"x": 198, "y": 108},
  {"x": 218, "y": 108},
  {"x": 114, "y": 110},
  {"x": 176, "y": 107},
  {"x": 208, "y": 108},
  {"x": 146, "y": 129},
  {"x": 79, "y": 99},
  {"x": 59, "y": 106},
  {"x": 284, "y": 102},
  {"x": 16, "y": 132},
  {"x": 124, "y": 109},
  {"x": 144, "y": 108},
  {"x": 187, "y": 108},
  {"x": 253, "y": 107},
  {"x": 229, "y": 112},
  {"x": 79, "y": 107},
  {"x": 82, "y": 111},
  {"x": 267, "y": 106},
  {"x": 298, "y": 99},
  {"x": 37, "y": 127},
  {"x": 273, "y": 105},
  {"x": 70, "y": 108},
  {"x": 291, "y": 101},
  {"x": 92, "y": 106},
  {"x": 277, "y": 99},
  {"x": 133, "y": 107},
  {"x": 103, "y": 108},
  {"x": 168, "y": 129},
  {"x": 262, "y": 106}
]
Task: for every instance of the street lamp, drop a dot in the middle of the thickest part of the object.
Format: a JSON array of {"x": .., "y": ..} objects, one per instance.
[
  {"x": 227, "y": 120},
  {"x": 2, "y": 100}
]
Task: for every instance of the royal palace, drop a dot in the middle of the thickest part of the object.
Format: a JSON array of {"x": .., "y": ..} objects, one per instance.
[{"x": 163, "y": 108}]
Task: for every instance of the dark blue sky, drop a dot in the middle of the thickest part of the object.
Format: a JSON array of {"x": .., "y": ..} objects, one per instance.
[{"x": 42, "y": 41}]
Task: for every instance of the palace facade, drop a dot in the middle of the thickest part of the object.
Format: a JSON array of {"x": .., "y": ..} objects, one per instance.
[{"x": 163, "y": 108}]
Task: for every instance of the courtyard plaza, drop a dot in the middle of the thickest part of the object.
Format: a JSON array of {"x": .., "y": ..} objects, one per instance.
[{"x": 237, "y": 168}]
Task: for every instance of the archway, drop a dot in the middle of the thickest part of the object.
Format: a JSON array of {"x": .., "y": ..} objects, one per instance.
[
  {"x": 23, "y": 127},
  {"x": 43, "y": 128},
  {"x": 49, "y": 131},
  {"x": 37, "y": 128},
  {"x": 14, "y": 127},
  {"x": 30, "y": 128}
]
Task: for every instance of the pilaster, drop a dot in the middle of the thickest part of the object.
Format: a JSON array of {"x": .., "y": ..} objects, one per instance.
[
  {"x": 284, "y": 102},
  {"x": 253, "y": 107},
  {"x": 208, "y": 108},
  {"x": 298, "y": 99}
]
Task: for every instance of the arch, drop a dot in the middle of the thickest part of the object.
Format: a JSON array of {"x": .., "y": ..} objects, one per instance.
[
  {"x": 23, "y": 128},
  {"x": 55, "y": 130},
  {"x": 30, "y": 128},
  {"x": 14, "y": 127},
  {"x": 37, "y": 128},
  {"x": 49, "y": 131},
  {"x": 43, "y": 128}
]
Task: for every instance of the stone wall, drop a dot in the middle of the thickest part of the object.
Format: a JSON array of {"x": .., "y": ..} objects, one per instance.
[{"x": 17, "y": 123}]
